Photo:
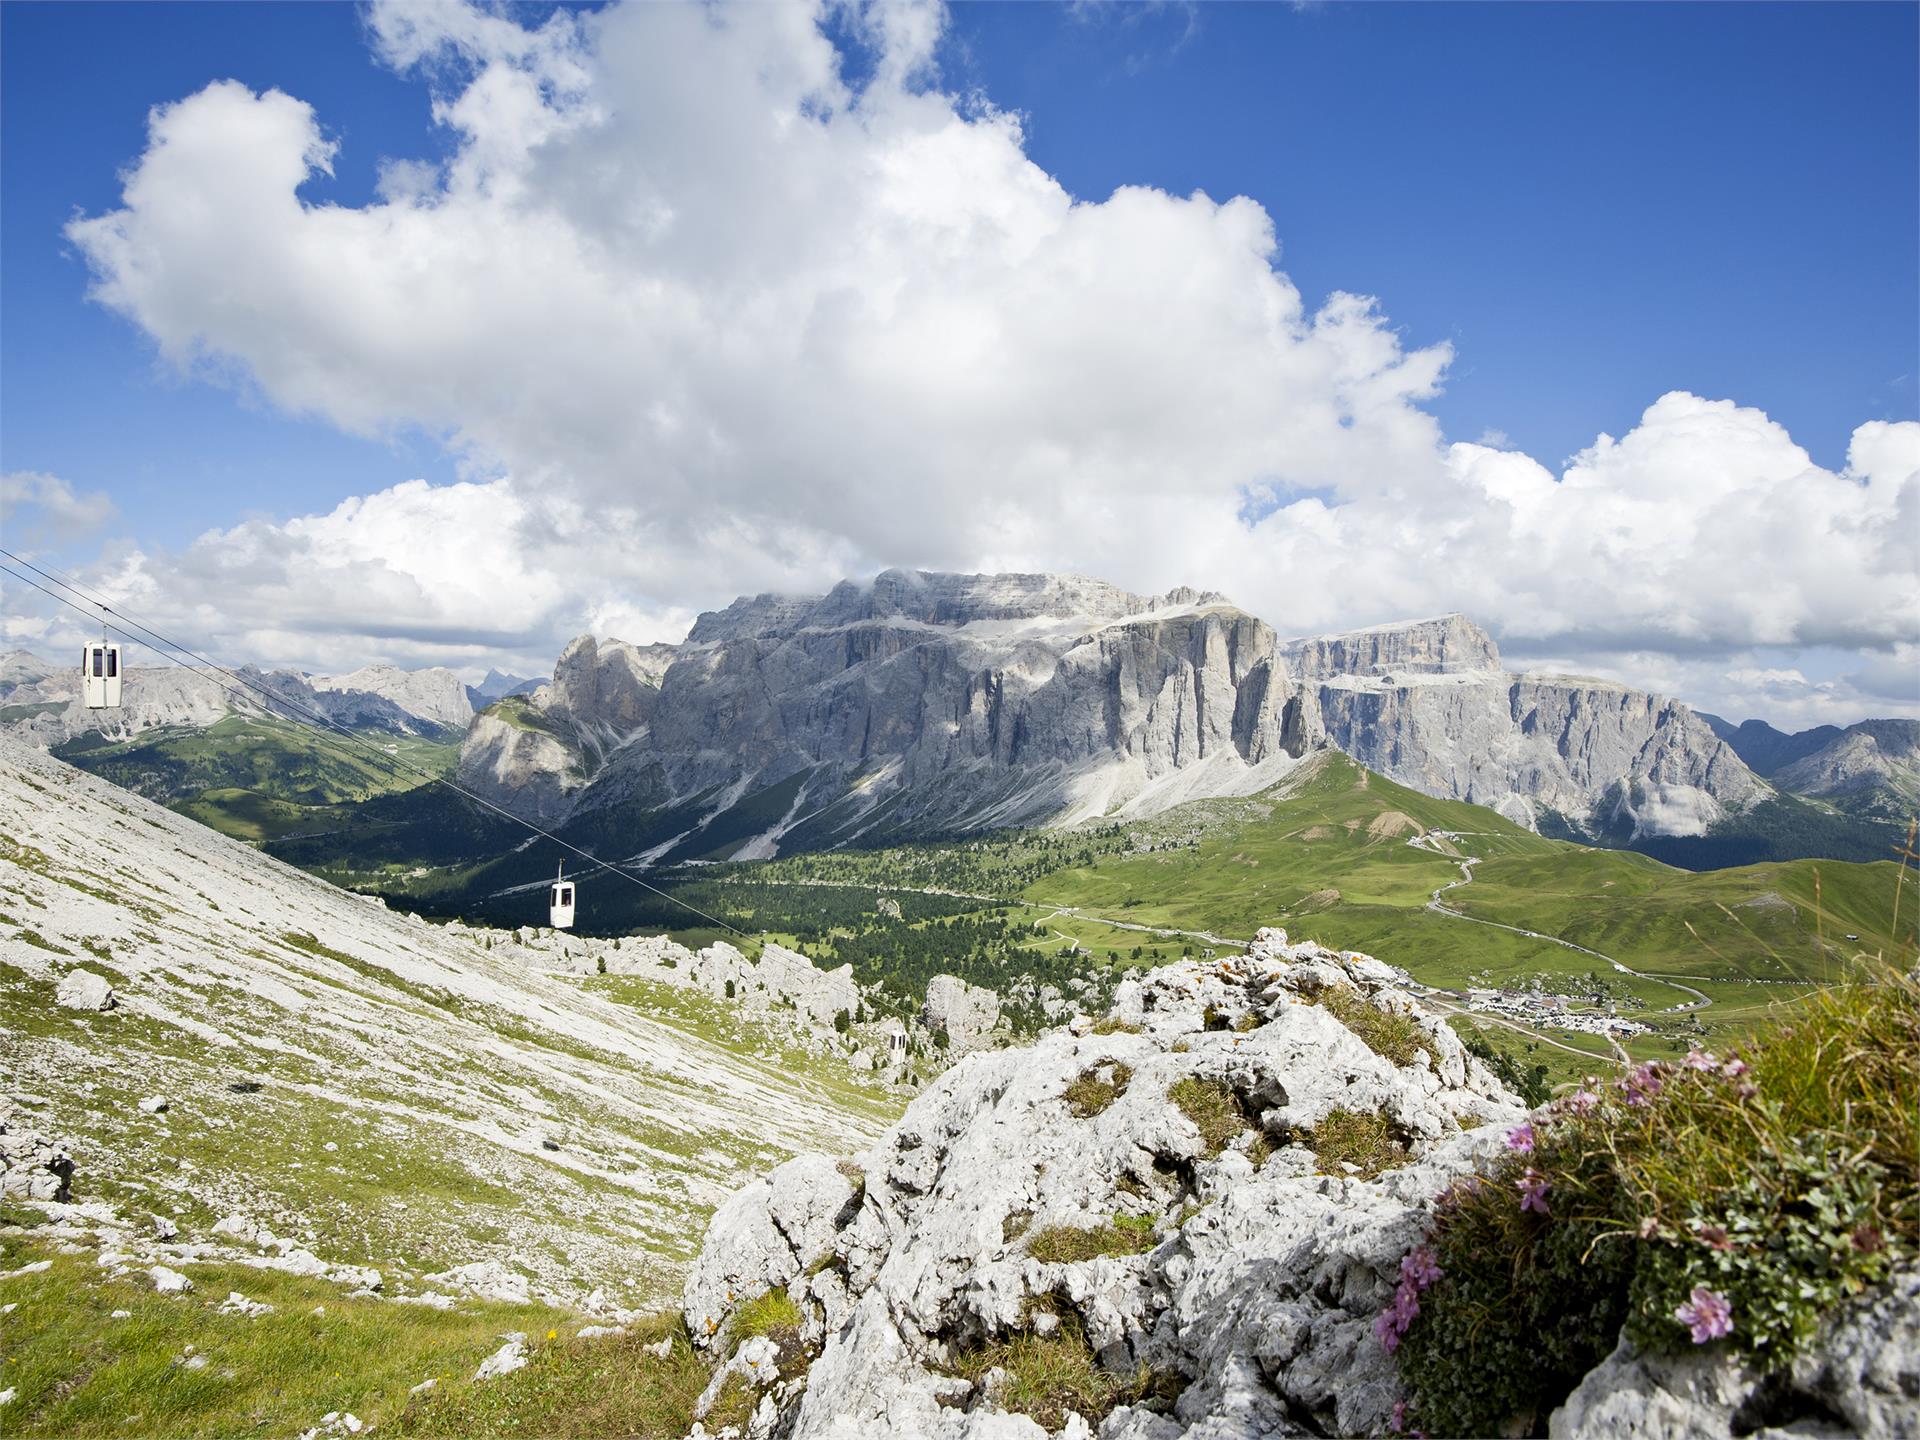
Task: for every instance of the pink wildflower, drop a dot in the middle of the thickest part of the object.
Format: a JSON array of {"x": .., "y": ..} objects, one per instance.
[
  {"x": 1714, "y": 1237},
  {"x": 1386, "y": 1331},
  {"x": 1533, "y": 1189},
  {"x": 1707, "y": 1314},
  {"x": 1700, "y": 1060},
  {"x": 1521, "y": 1138},
  {"x": 1582, "y": 1101},
  {"x": 1398, "y": 1420},
  {"x": 1419, "y": 1268},
  {"x": 1648, "y": 1078},
  {"x": 1734, "y": 1068}
]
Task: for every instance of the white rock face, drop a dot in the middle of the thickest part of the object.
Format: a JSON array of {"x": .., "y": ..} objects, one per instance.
[
  {"x": 436, "y": 695},
  {"x": 1262, "y": 1283},
  {"x": 964, "y": 1013},
  {"x": 32, "y": 1167},
  {"x": 508, "y": 1358},
  {"x": 967, "y": 701},
  {"x": 82, "y": 989}
]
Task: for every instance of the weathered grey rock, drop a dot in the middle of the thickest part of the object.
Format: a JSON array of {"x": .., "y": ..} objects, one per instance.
[
  {"x": 32, "y": 1167},
  {"x": 1264, "y": 1297},
  {"x": 169, "y": 1282},
  {"x": 508, "y": 1358},
  {"x": 1860, "y": 1377},
  {"x": 82, "y": 989},
  {"x": 964, "y": 1013},
  {"x": 1874, "y": 765}
]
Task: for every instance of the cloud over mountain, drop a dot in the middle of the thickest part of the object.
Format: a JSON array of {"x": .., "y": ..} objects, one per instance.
[{"x": 724, "y": 298}]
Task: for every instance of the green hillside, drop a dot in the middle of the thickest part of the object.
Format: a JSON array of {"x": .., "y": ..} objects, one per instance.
[{"x": 260, "y": 778}]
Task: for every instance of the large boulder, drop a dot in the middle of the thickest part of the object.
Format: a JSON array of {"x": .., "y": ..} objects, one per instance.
[
  {"x": 1259, "y": 1279},
  {"x": 81, "y": 989}
]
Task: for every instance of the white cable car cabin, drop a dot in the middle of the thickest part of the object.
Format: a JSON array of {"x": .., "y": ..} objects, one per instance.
[
  {"x": 100, "y": 675},
  {"x": 560, "y": 901}
]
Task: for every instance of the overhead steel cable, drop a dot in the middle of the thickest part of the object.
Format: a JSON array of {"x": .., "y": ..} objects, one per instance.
[{"x": 331, "y": 727}]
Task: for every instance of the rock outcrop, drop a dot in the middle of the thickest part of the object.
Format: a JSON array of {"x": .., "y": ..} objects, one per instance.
[
  {"x": 964, "y": 1014},
  {"x": 1255, "y": 1271},
  {"x": 1860, "y": 1376}
]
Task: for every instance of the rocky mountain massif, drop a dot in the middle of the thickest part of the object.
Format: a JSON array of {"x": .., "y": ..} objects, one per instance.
[
  {"x": 1872, "y": 768},
  {"x": 928, "y": 703},
  {"x": 234, "y": 1058}
]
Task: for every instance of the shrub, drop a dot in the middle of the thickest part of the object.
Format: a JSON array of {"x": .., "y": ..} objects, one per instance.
[
  {"x": 1353, "y": 1137},
  {"x": 1394, "y": 1037},
  {"x": 1113, "y": 1025},
  {"x": 1213, "y": 1107},
  {"x": 1088, "y": 1095},
  {"x": 1066, "y": 1244},
  {"x": 1738, "y": 1197}
]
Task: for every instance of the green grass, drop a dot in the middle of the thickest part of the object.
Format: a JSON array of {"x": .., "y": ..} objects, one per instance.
[
  {"x": 78, "y": 1372},
  {"x": 1394, "y": 1037},
  {"x": 773, "y": 1314},
  {"x": 1050, "y": 1377},
  {"x": 1350, "y": 1137},
  {"x": 1096, "y": 1088},
  {"x": 1067, "y": 1244},
  {"x": 1213, "y": 1108},
  {"x": 261, "y": 778}
]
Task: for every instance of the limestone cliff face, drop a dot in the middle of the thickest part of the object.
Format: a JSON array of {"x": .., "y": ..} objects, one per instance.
[
  {"x": 924, "y": 701},
  {"x": 950, "y": 701},
  {"x": 1605, "y": 759},
  {"x": 1449, "y": 645}
]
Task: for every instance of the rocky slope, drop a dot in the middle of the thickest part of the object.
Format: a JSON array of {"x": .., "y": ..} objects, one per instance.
[
  {"x": 1870, "y": 768},
  {"x": 926, "y": 702},
  {"x": 224, "y": 1046},
  {"x": 1078, "y": 1217}
]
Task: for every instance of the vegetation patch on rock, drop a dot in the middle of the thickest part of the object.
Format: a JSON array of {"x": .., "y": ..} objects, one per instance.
[
  {"x": 1066, "y": 1244},
  {"x": 1050, "y": 1377},
  {"x": 1097, "y": 1087},
  {"x": 1735, "y": 1198},
  {"x": 1391, "y": 1036},
  {"x": 1213, "y": 1107},
  {"x": 1365, "y": 1140}
]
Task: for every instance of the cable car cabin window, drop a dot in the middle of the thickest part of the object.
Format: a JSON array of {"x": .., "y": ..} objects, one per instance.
[
  {"x": 566, "y": 894},
  {"x": 99, "y": 660},
  {"x": 113, "y": 664}
]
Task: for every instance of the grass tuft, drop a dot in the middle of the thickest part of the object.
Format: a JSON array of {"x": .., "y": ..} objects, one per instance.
[
  {"x": 1068, "y": 1244},
  {"x": 1398, "y": 1038},
  {"x": 773, "y": 1314},
  {"x": 1089, "y": 1094},
  {"x": 1213, "y": 1107},
  {"x": 1051, "y": 1377},
  {"x": 1353, "y": 1137}
]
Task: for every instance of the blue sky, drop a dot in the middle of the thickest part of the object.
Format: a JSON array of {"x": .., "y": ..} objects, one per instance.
[{"x": 1592, "y": 205}]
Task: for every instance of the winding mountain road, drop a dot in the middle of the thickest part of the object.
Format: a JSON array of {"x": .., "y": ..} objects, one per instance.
[{"x": 1430, "y": 842}]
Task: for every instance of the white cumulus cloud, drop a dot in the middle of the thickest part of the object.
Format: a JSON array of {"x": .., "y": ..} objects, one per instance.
[{"x": 714, "y": 317}]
